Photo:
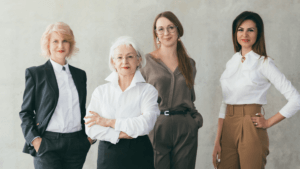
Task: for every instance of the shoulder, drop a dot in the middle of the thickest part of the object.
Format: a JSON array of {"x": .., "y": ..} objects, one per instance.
[
  {"x": 35, "y": 70},
  {"x": 149, "y": 89},
  {"x": 77, "y": 69},
  {"x": 192, "y": 61}
]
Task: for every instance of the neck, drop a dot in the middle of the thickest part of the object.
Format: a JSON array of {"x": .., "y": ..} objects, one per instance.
[
  {"x": 59, "y": 61},
  {"x": 168, "y": 52},
  {"x": 244, "y": 51},
  {"x": 124, "y": 81}
]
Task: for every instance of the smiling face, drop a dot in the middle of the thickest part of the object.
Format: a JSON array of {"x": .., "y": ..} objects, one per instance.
[
  {"x": 247, "y": 34},
  {"x": 59, "y": 47},
  {"x": 166, "y": 31},
  {"x": 125, "y": 60}
]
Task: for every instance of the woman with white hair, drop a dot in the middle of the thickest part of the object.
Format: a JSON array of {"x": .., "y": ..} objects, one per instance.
[{"x": 123, "y": 111}]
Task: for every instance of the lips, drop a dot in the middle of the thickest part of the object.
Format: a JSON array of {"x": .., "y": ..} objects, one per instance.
[
  {"x": 125, "y": 67},
  {"x": 60, "y": 51},
  {"x": 245, "y": 40}
]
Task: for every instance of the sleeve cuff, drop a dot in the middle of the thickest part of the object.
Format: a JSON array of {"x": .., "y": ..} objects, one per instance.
[{"x": 112, "y": 136}]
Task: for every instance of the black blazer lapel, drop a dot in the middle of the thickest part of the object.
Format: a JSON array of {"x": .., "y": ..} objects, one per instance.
[
  {"x": 76, "y": 78},
  {"x": 51, "y": 79}
]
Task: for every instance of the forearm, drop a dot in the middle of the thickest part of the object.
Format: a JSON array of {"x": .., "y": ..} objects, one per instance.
[
  {"x": 274, "y": 119},
  {"x": 219, "y": 131}
]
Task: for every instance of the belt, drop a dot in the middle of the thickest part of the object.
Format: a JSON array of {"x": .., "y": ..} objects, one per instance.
[
  {"x": 67, "y": 135},
  {"x": 167, "y": 112}
]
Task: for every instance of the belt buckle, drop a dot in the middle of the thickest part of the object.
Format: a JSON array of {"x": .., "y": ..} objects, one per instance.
[{"x": 166, "y": 113}]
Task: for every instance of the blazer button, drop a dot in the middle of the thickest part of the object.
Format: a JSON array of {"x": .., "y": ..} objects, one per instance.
[{"x": 38, "y": 124}]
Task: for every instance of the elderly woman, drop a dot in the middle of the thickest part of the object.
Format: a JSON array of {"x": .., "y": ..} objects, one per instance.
[
  {"x": 242, "y": 140},
  {"x": 54, "y": 105},
  {"x": 123, "y": 111}
]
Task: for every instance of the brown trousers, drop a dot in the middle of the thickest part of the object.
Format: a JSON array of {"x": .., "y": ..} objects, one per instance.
[
  {"x": 243, "y": 146},
  {"x": 174, "y": 141}
]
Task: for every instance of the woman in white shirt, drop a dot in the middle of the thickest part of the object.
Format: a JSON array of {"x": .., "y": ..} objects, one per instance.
[
  {"x": 248, "y": 75},
  {"x": 123, "y": 111}
]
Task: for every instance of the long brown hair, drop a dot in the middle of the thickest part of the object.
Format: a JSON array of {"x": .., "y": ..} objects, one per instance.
[
  {"x": 184, "y": 63},
  {"x": 259, "y": 46}
]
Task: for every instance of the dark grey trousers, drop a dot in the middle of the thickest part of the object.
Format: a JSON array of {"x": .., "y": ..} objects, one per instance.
[{"x": 62, "y": 151}]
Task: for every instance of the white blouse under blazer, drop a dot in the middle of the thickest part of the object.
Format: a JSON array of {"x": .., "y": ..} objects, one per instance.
[
  {"x": 135, "y": 109},
  {"x": 248, "y": 82}
]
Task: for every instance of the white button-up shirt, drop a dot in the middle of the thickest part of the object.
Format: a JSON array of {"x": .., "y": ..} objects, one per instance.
[
  {"x": 248, "y": 82},
  {"x": 66, "y": 117},
  {"x": 135, "y": 109}
]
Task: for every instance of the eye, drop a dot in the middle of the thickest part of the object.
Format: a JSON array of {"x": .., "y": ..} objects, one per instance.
[
  {"x": 65, "y": 41},
  {"x": 160, "y": 29},
  {"x": 240, "y": 29},
  {"x": 130, "y": 56},
  {"x": 251, "y": 30},
  {"x": 171, "y": 27},
  {"x": 55, "y": 41}
]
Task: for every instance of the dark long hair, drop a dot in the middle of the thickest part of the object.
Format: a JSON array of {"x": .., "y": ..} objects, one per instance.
[
  {"x": 259, "y": 46},
  {"x": 184, "y": 63}
]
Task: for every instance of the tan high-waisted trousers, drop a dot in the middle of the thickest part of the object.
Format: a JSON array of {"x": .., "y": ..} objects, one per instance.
[{"x": 243, "y": 146}]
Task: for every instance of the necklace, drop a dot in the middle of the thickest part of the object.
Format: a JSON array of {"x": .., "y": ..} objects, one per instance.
[{"x": 243, "y": 59}]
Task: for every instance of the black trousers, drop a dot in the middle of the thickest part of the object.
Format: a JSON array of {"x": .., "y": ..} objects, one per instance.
[
  {"x": 62, "y": 151},
  {"x": 127, "y": 153}
]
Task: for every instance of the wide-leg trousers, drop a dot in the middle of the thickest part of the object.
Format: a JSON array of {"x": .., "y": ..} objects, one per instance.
[
  {"x": 243, "y": 146},
  {"x": 174, "y": 140}
]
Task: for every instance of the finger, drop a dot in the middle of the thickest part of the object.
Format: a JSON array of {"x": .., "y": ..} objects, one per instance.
[
  {"x": 219, "y": 155},
  {"x": 254, "y": 120},
  {"x": 88, "y": 122},
  {"x": 90, "y": 125},
  {"x": 259, "y": 114},
  {"x": 94, "y": 113}
]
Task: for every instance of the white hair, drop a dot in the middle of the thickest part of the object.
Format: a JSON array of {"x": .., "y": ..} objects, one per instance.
[{"x": 128, "y": 41}]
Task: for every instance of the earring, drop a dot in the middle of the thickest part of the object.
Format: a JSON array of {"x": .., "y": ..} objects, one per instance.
[
  {"x": 179, "y": 39},
  {"x": 157, "y": 40}
]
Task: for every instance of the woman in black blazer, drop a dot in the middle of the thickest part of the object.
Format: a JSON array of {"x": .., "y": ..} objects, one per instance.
[{"x": 54, "y": 105}]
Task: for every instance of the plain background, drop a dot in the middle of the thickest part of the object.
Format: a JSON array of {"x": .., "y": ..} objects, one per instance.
[{"x": 96, "y": 24}]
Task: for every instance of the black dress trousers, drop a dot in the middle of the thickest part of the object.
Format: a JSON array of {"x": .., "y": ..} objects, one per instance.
[{"x": 127, "y": 153}]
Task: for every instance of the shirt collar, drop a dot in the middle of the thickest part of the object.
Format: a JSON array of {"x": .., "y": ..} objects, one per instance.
[
  {"x": 114, "y": 79},
  {"x": 58, "y": 68}
]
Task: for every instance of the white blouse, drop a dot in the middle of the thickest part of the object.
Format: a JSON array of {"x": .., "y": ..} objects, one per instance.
[
  {"x": 248, "y": 82},
  {"x": 135, "y": 109}
]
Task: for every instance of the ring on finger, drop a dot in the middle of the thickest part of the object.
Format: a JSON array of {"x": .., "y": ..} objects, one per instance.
[{"x": 255, "y": 124}]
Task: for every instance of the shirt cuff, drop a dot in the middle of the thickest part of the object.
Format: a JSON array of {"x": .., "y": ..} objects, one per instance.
[
  {"x": 33, "y": 139},
  {"x": 112, "y": 136},
  {"x": 222, "y": 111}
]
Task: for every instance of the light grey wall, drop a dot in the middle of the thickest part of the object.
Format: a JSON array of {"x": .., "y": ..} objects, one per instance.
[{"x": 96, "y": 24}]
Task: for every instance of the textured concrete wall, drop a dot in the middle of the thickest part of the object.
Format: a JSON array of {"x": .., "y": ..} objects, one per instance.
[{"x": 96, "y": 24}]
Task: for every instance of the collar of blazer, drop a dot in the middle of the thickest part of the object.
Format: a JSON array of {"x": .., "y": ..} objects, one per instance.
[{"x": 53, "y": 83}]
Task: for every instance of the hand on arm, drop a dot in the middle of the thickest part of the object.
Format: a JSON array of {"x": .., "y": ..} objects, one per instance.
[
  {"x": 96, "y": 119},
  {"x": 261, "y": 122},
  {"x": 217, "y": 148}
]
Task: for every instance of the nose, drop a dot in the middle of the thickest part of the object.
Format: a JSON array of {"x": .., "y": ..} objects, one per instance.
[
  {"x": 166, "y": 31},
  {"x": 125, "y": 59},
  {"x": 60, "y": 45},
  {"x": 245, "y": 33}
]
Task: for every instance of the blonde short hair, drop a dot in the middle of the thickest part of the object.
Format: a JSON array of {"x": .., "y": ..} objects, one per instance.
[
  {"x": 128, "y": 41},
  {"x": 63, "y": 30}
]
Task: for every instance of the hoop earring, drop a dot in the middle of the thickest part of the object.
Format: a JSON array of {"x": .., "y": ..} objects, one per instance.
[{"x": 157, "y": 40}]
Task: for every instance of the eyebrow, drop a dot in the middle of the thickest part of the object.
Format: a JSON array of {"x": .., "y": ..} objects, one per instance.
[
  {"x": 167, "y": 25},
  {"x": 126, "y": 54},
  {"x": 247, "y": 28}
]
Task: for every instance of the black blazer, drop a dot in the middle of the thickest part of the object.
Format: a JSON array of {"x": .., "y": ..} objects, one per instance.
[{"x": 40, "y": 99}]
